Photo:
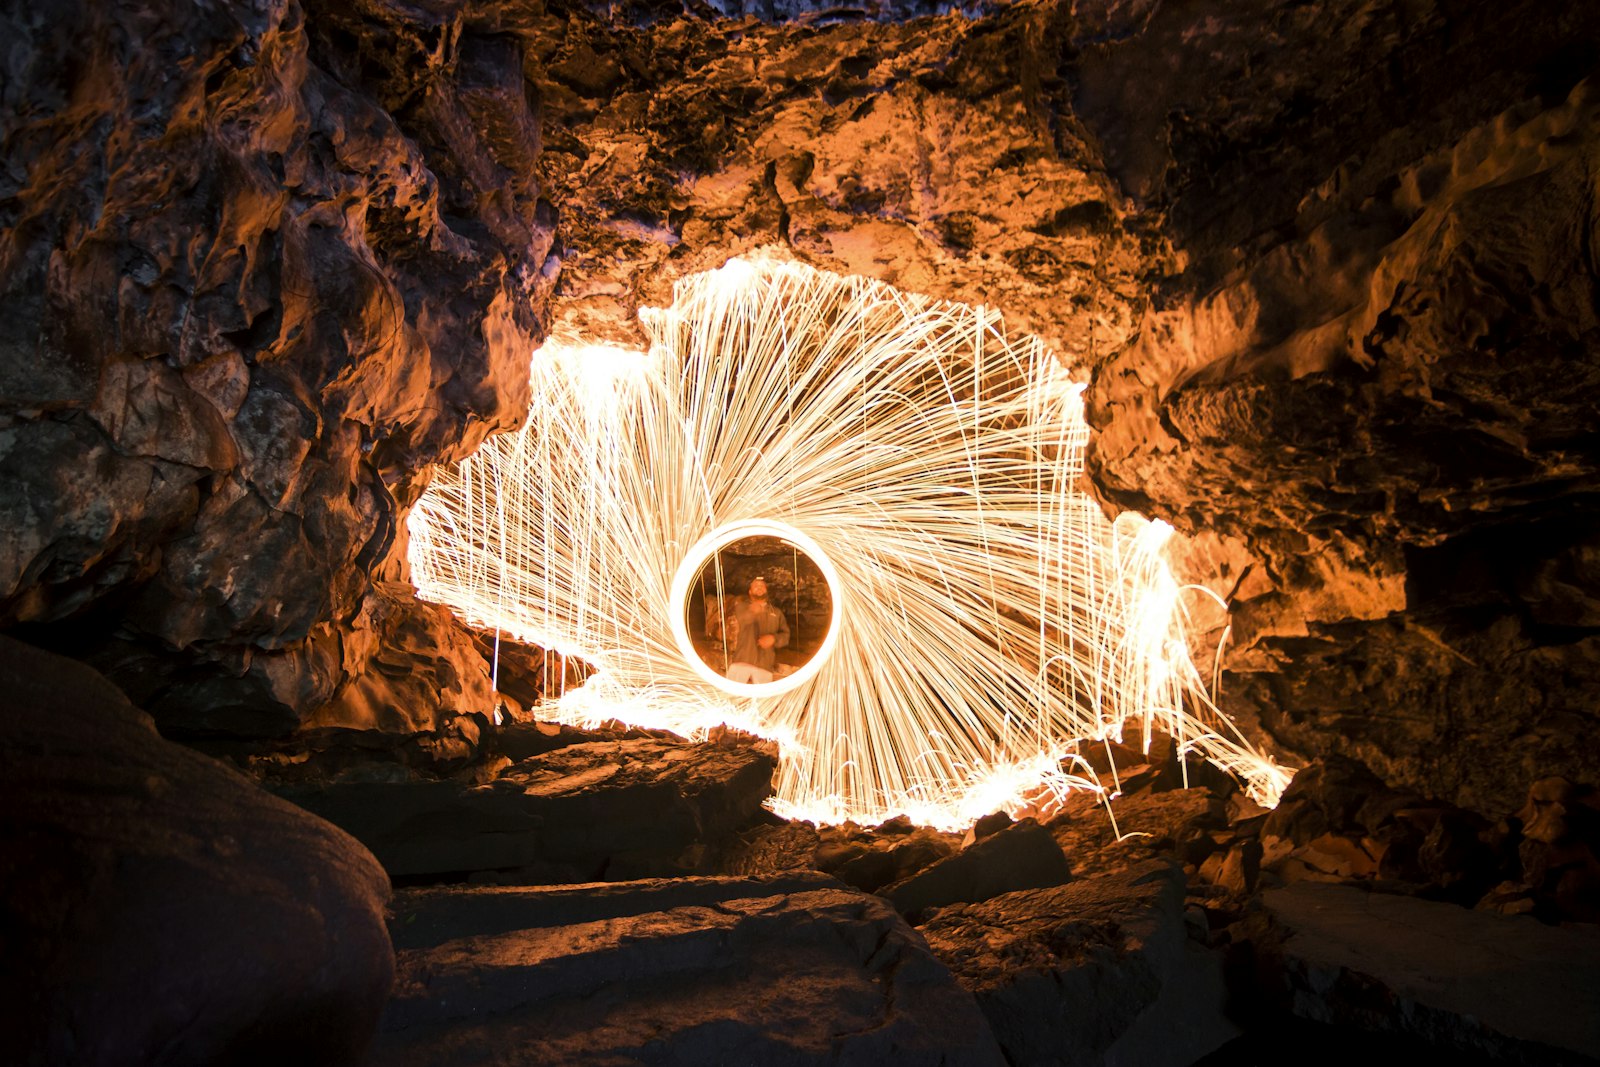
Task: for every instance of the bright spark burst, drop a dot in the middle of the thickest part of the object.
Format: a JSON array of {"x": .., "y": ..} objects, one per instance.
[{"x": 992, "y": 621}]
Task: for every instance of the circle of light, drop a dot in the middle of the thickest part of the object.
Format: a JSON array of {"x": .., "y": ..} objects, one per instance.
[
  {"x": 994, "y": 623},
  {"x": 701, "y": 554}
]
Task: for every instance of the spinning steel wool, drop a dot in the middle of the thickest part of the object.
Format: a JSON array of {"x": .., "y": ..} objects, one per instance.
[{"x": 988, "y": 619}]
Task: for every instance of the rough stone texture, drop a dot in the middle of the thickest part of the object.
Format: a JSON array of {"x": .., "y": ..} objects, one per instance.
[
  {"x": 787, "y": 971},
  {"x": 339, "y": 753},
  {"x": 1506, "y": 988},
  {"x": 1559, "y": 850},
  {"x": 1179, "y": 823},
  {"x": 594, "y": 810},
  {"x": 1021, "y": 856},
  {"x": 875, "y": 858},
  {"x": 938, "y": 155},
  {"x": 1100, "y": 971},
  {"x": 262, "y": 266},
  {"x": 1334, "y": 288},
  {"x": 1329, "y": 266},
  {"x": 1372, "y": 387},
  {"x": 1338, "y": 823},
  {"x": 526, "y": 675},
  {"x": 159, "y": 908}
]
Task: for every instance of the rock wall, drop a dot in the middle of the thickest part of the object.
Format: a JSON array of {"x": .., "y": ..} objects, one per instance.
[
  {"x": 1330, "y": 267},
  {"x": 262, "y": 266},
  {"x": 1373, "y": 386}
]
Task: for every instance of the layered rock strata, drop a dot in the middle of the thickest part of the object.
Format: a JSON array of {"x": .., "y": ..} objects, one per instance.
[
  {"x": 1371, "y": 387},
  {"x": 795, "y": 970}
]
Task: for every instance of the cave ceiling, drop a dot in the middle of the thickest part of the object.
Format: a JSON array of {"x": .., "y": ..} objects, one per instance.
[{"x": 938, "y": 155}]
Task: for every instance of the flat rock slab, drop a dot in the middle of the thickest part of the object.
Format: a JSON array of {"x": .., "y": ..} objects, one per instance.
[
  {"x": 1100, "y": 971},
  {"x": 793, "y": 970},
  {"x": 1509, "y": 988},
  {"x": 603, "y": 810}
]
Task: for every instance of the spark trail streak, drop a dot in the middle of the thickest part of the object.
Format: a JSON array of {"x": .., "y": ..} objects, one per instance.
[{"x": 991, "y": 617}]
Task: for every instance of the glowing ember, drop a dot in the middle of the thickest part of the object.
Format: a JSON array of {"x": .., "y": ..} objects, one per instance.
[{"x": 990, "y": 619}]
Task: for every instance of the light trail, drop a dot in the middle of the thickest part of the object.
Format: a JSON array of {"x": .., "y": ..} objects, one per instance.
[{"x": 991, "y": 619}]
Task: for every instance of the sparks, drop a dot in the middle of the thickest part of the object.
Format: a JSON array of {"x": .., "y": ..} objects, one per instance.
[{"x": 989, "y": 620}]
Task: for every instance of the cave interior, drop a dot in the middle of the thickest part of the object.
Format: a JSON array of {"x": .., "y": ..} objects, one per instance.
[{"x": 1327, "y": 272}]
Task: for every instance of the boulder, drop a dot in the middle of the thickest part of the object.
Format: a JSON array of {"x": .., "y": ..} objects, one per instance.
[
  {"x": 630, "y": 808},
  {"x": 1559, "y": 853},
  {"x": 773, "y": 848},
  {"x": 1137, "y": 827},
  {"x": 159, "y": 907},
  {"x": 790, "y": 971},
  {"x": 1466, "y": 982},
  {"x": 1099, "y": 971},
  {"x": 875, "y": 858},
  {"x": 1339, "y": 822},
  {"x": 1021, "y": 856}
]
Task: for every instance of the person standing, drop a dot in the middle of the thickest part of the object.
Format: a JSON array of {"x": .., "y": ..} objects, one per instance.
[{"x": 760, "y": 630}]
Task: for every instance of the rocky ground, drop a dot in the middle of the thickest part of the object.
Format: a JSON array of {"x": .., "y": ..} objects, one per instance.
[
  {"x": 621, "y": 896},
  {"x": 1182, "y": 922}
]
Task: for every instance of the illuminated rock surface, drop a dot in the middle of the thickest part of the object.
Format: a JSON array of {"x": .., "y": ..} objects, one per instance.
[
  {"x": 1021, "y": 856},
  {"x": 939, "y": 156},
  {"x": 259, "y": 273},
  {"x": 1335, "y": 298},
  {"x": 786, "y": 971},
  {"x": 1373, "y": 381},
  {"x": 161, "y": 908},
  {"x": 1331, "y": 264},
  {"x": 1326, "y": 264}
]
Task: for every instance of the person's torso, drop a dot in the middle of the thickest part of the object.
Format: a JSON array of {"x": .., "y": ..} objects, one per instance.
[{"x": 765, "y": 618}]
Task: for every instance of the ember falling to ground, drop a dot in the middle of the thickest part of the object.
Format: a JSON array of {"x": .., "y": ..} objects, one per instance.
[{"x": 1329, "y": 272}]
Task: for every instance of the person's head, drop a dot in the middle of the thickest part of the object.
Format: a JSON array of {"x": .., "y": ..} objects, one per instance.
[{"x": 758, "y": 588}]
